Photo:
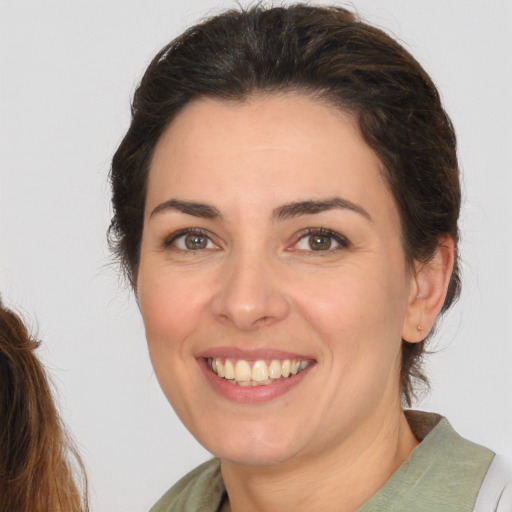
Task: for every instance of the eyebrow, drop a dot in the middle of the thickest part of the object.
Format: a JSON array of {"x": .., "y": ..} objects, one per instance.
[
  {"x": 287, "y": 211},
  {"x": 296, "y": 209},
  {"x": 202, "y": 210}
]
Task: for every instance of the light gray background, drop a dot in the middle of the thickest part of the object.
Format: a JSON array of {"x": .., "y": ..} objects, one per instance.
[{"x": 67, "y": 70}]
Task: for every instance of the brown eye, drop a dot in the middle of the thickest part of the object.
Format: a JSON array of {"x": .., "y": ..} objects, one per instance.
[
  {"x": 190, "y": 240},
  {"x": 195, "y": 241},
  {"x": 320, "y": 242}
]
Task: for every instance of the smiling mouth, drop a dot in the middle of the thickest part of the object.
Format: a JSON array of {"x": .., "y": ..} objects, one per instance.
[{"x": 256, "y": 373}]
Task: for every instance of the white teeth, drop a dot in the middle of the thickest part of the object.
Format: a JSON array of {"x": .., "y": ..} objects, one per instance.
[
  {"x": 242, "y": 371},
  {"x": 229, "y": 370},
  {"x": 259, "y": 371},
  {"x": 219, "y": 367},
  {"x": 259, "y": 374},
  {"x": 285, "y": 368},
  {"x": 274, "y": 370}
]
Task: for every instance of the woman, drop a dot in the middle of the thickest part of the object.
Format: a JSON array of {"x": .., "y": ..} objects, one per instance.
[
  {"x": 35, "y": 472},
  {"x": 285, "y": 206}
]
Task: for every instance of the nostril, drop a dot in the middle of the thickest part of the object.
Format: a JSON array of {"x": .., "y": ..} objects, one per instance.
[{"x": 264, "y": 320}]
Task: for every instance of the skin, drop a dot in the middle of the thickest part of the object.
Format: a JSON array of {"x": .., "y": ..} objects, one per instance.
[{"x": 258, "y": 284}]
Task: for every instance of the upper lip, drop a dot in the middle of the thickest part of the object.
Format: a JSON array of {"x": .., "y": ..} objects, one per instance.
[{"x": 252, "y": 354}]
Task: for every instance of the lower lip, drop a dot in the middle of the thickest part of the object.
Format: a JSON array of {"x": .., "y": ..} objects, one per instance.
[{"x": 251, "y": 394}]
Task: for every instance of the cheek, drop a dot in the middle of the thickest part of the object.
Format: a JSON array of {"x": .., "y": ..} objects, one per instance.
[
  {"x": 171, "y": 307},
  {"x": 358, "y": 316},
  {"x": 350, "y": 299}
]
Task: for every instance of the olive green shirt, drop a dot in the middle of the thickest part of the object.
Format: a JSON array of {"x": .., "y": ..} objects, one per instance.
[{"x": 443, "y": 474}]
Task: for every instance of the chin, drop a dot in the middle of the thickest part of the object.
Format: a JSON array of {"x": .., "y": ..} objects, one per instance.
[
  {"x": 254, "y": 445},
  {"x": 253, "y": 455}
]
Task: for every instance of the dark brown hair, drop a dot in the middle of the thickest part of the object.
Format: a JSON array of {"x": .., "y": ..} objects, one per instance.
[
  {"x": 36, "y": 474},
  {"x": 326, "y": 52}
]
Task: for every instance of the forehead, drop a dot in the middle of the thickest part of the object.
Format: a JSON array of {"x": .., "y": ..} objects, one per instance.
[{"x": 281, "y": 146}]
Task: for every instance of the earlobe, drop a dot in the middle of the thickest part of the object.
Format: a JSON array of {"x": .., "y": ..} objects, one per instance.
[{"x": 428, "y": 291}]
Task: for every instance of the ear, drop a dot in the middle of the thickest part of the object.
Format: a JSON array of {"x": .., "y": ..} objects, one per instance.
[{"x": 429, "y": 285}]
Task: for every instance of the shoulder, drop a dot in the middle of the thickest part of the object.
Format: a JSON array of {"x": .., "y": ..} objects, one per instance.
[{"x": 200, "y": 490}]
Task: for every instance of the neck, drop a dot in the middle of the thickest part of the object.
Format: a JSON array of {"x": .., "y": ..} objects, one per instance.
[{"x": 335, "y": 479}]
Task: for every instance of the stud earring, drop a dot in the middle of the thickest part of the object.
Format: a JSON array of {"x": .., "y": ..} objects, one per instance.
[{"x": 419, "y": 328}]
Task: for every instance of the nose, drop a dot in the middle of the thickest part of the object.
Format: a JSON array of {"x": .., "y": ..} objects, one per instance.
[{"x": 250, "y": 295}]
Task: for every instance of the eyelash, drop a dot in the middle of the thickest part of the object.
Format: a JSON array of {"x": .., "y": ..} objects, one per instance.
[{"x": 343, "y": 242}]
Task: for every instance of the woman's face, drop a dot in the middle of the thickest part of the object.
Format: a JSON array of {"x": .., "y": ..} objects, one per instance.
[{"x": 271, "y": 244}]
